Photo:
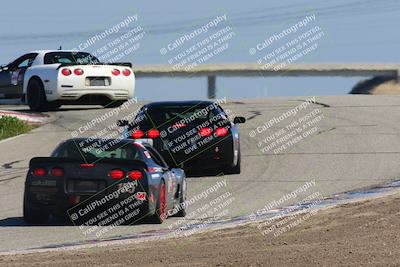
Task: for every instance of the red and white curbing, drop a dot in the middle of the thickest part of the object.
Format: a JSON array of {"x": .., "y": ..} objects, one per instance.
[{"x": 27, "y": 117}]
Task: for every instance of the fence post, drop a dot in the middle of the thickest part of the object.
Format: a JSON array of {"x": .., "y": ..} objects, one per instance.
[{"x": 211, "y": 90}]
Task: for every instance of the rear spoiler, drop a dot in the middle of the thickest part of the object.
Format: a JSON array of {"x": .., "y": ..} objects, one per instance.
[
  {"x": 124, "y": 162},
  {"x": 124, "y": 64}
]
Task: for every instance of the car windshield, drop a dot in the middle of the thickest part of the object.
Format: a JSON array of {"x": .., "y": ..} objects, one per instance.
[
  {"x": 70, "y": 57},
  {"x": 187, "y": 114},
  {"x": 100, "y": 148}
]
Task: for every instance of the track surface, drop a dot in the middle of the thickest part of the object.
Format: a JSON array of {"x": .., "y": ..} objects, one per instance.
[{"x": 357, "y": 145}]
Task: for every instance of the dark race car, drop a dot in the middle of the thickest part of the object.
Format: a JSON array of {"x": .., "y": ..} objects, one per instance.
[
  {"x": 194, "y": 135},
  {"x": 103, "y": 182}
]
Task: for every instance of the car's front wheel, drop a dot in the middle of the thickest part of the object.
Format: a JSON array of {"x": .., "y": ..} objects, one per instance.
[
  {"x": 36, "y": 96},
  {"x": 182, "y": 208}
]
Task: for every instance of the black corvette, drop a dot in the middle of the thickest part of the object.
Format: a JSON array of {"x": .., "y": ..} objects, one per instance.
[
  {"x": 193, "y": 135},
  {"x": 103, "y": 182}
]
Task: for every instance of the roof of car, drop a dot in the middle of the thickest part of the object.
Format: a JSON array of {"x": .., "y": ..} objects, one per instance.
[
  {"x": 93, "y": 140},
  {"x": 179, "y": 103},
  {"x": 51, "y": 51}
]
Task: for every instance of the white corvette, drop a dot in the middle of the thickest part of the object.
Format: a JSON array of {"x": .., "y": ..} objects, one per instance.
[{"x": 48, "y": 79}]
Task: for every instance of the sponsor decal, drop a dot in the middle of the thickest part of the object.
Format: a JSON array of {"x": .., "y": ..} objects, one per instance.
[
  {"x": 170, "y": 183},
  {"x": 140, "y": 196},
  {"x": 147, "y": 154}
]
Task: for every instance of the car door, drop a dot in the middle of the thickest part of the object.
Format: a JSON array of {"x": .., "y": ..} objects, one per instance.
[
  {"x": 5, "y": 80},
  {"x": 13, "y": 78}
]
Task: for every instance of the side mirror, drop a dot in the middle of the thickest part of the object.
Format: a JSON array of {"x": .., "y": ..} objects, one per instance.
[
  {"x": 3, "y": 67},
  {"x": 239, "y": 120},
  {"x": 122, "y": 123}
]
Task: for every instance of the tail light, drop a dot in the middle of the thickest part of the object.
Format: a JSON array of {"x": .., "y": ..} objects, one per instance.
[
  {"x": 205, "y": 132},
  {"x": 66, "y": 72},
  {"x": 153, "y": 133},
  {"x": 135, "y": 175},
  {"x": 117, "y": 174},
  {"x": 221, "y": 132},
  {"x": 126, "y": 72},
  {"x": 115, "y": 72},
  {"x": 57, "y": 172},
  {"x": 137, "y": 134},
  {"x": 78, "y": 72},
  {"x": 39, "y": 172},
  {"x": 74, "y": 199}
]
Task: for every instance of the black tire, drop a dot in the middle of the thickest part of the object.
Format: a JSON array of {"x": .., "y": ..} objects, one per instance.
[
  {"x": 34, "y": 216},
  {"x": 113, "y": 104},
  {"x": 53, "y": 106},
  {"x": 182, "y": 210},
  {"x": 237, "y": 168},
  {"x": 160, "y": 215},
  {"x": 36, "y": 96}
]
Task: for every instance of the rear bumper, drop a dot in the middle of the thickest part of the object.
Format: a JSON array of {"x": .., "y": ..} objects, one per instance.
[
  {"x": 213, "y": 155},
  {"x": 112, "y": 94},
  {"x": 86, "y": 209}
]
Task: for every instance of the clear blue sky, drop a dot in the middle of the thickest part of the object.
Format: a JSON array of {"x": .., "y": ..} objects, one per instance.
[{"x": 355, "y": 31}]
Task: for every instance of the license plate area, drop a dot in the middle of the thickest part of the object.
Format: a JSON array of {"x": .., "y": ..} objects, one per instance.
[
  {"x": 98, "y": 81},
  {"x": 85, "y": 186}
]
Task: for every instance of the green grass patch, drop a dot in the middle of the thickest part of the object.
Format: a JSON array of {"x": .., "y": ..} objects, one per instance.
[{"x": 11, "y": 126}]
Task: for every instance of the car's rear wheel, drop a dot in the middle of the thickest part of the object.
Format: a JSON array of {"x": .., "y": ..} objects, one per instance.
[
  {"x": 36, "y": 96},
  {"x": 237, "y": 168},
  {"x": 53, "y": 106},
  {"x": 34, "y": 216},
  {"x": 160, "y": 214}
]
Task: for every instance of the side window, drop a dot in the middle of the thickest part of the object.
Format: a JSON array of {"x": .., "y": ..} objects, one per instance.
[
  {"x": 156, "y": 157},
  {"x": 24, "y": 61},
  {"x": 25, "y": 64}
]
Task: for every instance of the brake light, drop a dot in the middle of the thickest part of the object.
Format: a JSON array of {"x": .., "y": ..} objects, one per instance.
[
  {"x": 126, "y": 72},
  {"x": 117, "y": 174},
  {"x": 221, "y": 132},
  {"x": 39, "y": 172},
  {"x": 66, "y": 72},
  {"x": 135, "y": 175},
  {"x": 87, "y": 165},
  {"x": 115, "y": 72},
  {"x": 205, "y": 132},
  {"x": 57, "y": 172},
  {"x": 179, "y": 125},
  {"x": 78, "y": 72},
  {"x": 153, "y": 133},
  {"x": 137, "y": 134}
]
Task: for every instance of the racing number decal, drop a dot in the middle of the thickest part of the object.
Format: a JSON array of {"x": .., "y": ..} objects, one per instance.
[{"x": 14, "y": 77}]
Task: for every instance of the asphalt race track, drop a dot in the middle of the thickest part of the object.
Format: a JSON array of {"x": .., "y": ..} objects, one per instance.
[{"x": 356, "y": 145}]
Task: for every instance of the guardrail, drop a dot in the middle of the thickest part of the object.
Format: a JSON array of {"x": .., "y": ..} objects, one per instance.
[{"x": 211, "y": 71}]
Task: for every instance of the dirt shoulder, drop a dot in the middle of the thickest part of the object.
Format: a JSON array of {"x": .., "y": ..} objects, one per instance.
[{"x": 364, "y": 233}]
